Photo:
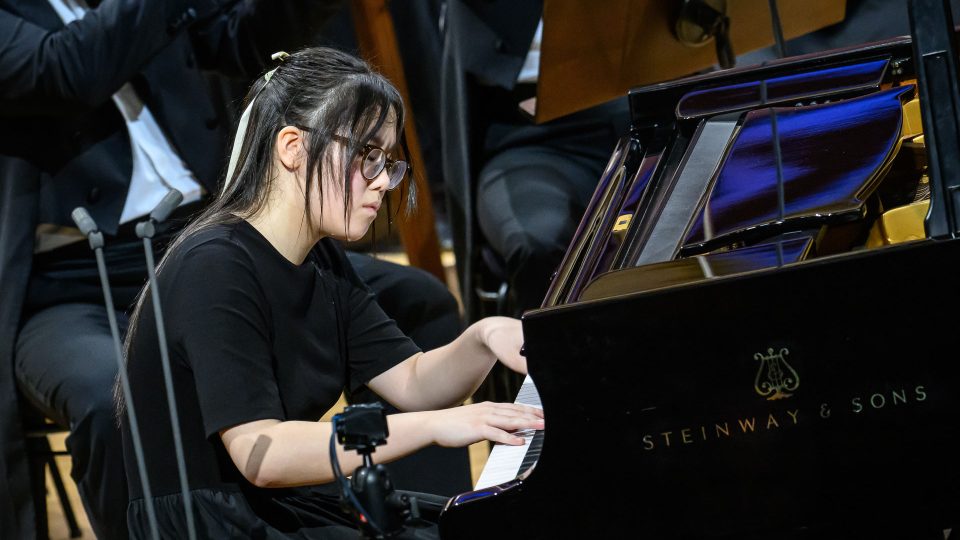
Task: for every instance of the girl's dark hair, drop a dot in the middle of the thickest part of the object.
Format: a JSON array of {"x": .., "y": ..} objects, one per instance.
[{"x": 324, "y": 91}]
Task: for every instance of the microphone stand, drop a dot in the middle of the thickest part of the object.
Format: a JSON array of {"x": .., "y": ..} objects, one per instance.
[
  {"x": 146, "y": 230},
  {"x": 378, "y": 510},
  {"x": 88, "y": 227}
]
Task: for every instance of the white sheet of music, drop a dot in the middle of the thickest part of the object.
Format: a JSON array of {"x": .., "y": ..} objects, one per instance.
[{"x": 504, "y": 461}]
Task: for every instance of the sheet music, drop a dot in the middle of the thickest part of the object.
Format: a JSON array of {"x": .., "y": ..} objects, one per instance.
[{"x": 505, "y": 460}]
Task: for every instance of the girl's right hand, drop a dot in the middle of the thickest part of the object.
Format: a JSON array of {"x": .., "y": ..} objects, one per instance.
[{"x": 464, "y": 425}]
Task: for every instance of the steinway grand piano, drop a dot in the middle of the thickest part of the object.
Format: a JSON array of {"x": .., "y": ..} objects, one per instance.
[{"x": 750, "y": 335}]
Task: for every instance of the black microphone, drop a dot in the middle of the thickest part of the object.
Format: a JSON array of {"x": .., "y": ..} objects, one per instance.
[
  {"x": 146, "y": 230},
  {"x": 88, "y": 227}
]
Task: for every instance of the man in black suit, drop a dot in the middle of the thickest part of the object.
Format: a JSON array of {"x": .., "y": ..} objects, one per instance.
[
  {"x": 515, "y": 190},
  {"x": 524, "y": 185},
  {"x": 104, "y": 107}
]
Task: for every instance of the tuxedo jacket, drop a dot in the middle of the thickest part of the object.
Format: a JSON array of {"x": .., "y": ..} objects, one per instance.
[{"x": 63, "y": 142}]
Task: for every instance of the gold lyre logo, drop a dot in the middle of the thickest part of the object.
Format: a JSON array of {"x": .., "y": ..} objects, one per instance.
[{"x": 776, "y": 378}]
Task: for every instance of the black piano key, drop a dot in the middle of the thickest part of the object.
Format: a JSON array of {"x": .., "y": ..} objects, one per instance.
[{"x": 533, "y": 452}]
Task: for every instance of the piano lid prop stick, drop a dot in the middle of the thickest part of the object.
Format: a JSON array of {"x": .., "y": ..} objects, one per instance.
[{"x": 777, "y": 152}]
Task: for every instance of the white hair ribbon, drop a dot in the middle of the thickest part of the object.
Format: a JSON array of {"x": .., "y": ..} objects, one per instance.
[{"x": 244, "y": 120}]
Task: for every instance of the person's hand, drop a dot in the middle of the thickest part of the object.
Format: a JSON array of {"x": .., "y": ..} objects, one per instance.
[
  {"x": 461, "y": 426},
  {"x": 504, "y": 336}
]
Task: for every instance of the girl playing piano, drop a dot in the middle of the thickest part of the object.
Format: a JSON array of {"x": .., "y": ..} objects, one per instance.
[{"x": 267, "y": 323}]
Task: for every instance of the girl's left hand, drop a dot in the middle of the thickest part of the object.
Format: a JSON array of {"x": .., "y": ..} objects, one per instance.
[{"x": 504, "y": 337}]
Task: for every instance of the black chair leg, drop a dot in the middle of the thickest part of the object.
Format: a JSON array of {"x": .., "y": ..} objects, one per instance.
[
  {"x": 64, "y": 498},
  {"x": 42, "y": 457},
  {"x": 38, "y": 488}
]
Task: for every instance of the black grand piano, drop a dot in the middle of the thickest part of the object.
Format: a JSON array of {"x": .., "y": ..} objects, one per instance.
[{"x": 752, "y": 333}]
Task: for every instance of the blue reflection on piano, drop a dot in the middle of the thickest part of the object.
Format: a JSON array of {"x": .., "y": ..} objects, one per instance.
[
  {"x": 832, "y": 157},
  {"x": 796, "y": 86}
]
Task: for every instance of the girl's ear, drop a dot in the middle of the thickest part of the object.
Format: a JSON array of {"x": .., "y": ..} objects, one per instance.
[{"x": 290, "y": 148}]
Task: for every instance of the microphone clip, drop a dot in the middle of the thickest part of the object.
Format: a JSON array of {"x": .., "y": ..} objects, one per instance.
[
  {"x": 147, "y": 228},
  {"x": 96, "y": 239}
]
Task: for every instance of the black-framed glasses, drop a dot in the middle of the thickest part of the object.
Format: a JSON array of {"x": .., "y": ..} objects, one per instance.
[{"x": 373, "y": 160}]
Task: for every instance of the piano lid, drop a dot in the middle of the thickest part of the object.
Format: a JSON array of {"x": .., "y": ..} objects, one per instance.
[{"x": 832, "y": 159}]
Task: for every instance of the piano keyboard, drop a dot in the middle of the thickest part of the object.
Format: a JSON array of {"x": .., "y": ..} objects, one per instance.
[{"x": 506, "y": 462}]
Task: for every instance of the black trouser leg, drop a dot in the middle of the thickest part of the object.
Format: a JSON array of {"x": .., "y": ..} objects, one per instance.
[
  {"x": 529, "y": 203},
  {"x": 421, "y": 304},
  {"x": 66, "y": 365}
]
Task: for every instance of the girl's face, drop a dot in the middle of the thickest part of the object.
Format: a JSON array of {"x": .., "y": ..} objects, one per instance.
[{"x": 366, "y": 195}]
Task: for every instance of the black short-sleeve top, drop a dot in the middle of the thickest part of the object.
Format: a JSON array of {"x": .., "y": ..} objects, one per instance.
[{"x": 251, "y": 336}]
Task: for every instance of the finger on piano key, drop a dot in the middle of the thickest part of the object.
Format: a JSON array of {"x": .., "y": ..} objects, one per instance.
[{"x": 506, "y": 462}]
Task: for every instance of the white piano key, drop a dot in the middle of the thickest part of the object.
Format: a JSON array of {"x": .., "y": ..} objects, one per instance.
[{"x": 504, "y": 461}]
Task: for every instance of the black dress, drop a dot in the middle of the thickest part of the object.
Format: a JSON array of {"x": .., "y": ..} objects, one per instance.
[{"x": 251, "y": 336}]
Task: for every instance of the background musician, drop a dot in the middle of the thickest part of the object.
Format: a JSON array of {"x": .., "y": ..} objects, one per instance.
[
  {"x": 515, "y": 190},
  {"x": 531, "y": 182},
  {"x": 268, "y": 322}
]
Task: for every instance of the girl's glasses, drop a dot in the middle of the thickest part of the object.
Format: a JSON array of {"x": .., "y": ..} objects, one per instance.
[{"x": 373, "y": 160}]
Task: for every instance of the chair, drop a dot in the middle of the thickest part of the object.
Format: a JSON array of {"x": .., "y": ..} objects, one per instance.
[{"x": 41, "y": 455}]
